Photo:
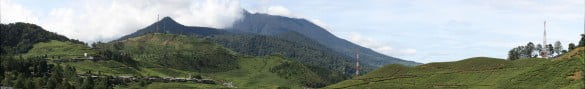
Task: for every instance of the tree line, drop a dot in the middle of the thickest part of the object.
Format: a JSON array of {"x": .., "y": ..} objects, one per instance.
[{"x": 531, "y": 50}]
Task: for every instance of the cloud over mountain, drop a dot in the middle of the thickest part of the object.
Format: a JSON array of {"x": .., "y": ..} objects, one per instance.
[{"x": 95, "y": 20}]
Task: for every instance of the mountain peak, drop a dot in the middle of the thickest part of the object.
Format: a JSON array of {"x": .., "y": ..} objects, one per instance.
[{"x": 168, "y": 20}]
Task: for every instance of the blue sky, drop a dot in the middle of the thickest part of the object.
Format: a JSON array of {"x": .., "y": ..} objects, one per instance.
[{"x": 419, "y": 30}]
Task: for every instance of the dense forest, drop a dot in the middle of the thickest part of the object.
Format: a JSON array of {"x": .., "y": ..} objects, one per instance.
[
  {"x": 19, "y": 37},
  {"x": 329, "y": 65},
  {"x": 37, "y": 73}
]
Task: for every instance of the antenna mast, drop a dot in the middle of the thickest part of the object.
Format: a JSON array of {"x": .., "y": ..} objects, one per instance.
[
  {"x": 545, "y": 49},
  {"x": 357, "y": 63}
]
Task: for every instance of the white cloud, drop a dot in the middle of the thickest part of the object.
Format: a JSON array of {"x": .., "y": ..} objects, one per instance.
[
  {"x": 94, "y": 20},
  {"x": 11, "y": 12},
  {"x": 104, "y": 20},
  {"x": 279, "y": 10},
  {"x": 283, "y": 11},
  {"x": 212, "y": 13},
  {"x": 379, "y": 46},
  {"x": 321, "y": 24}
]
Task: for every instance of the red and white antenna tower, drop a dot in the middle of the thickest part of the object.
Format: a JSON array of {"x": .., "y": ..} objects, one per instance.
[
  {"x": 357, "y": 63},
  {"x": 157, "y": 25},
  {"x": 545, "y": 46}
]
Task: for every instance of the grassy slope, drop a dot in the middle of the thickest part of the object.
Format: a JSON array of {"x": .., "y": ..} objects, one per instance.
[
  {"x": 59, "y": 48},
  {"x": 255, "y": 73},
  {"x": 477, "y": 73}
]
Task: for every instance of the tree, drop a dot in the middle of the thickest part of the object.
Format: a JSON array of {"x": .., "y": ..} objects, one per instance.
[
  {"x": 550, "y": 50},
  {"x": 558, "y": 47},
  {"x": 39, "y": 82},
  {"x": 87, "y": 83},
  {"x": 571, "y": 46},
  {"x": 513, "y": 54},
  {"x": 52, "y": 83},
  {"x": 55, "y": 78},
  {"x": 102, "y": 83},
  {"x": 65, "y": 85},
  {"x": 28, "y": 84},
  {"x": 7, "y": 79},
  {"x": 529, "y": 49},
  {"x": 522, "y": 52},
  {"x": 19, "y": 84}
]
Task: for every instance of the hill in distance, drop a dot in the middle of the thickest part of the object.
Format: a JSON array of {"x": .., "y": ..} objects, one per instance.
[{"x": 563, "y": 72}]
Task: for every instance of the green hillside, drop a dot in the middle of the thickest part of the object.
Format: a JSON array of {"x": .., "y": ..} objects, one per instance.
[
  {"x": 59, "y": 50},
  {"x": 178, "y": 56},
  {"x": 476, "y": 73},
  {"x": 176, "y": 51},
  {"x": 331, "y": 66}
]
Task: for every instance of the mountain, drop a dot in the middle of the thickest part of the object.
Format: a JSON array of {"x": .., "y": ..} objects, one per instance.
[
  {"x": 330, "y": 65},
  {"x": 271, "y": 25},
  {"x": 284, "y": 28},
  {"x": 563, "y": 72},
  {"x": 197, "y": 55}
]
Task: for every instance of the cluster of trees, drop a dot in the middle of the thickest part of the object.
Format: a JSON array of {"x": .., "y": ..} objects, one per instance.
[
  {"x": 20, "y": 37},
  {"x": 36, "y": 73},
  {"x": 110, "y": 51},
  {"x": 117, "y": 56},
  {"x": 531, "y": 50}
]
